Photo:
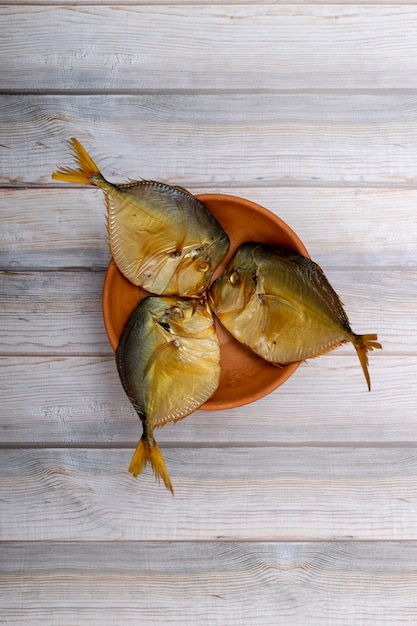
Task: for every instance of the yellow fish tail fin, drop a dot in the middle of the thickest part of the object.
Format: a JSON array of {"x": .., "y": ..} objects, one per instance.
[
  {"x": 139, "y": 459},
  {"x": 85, "y": 171},
  {"x": 363, "y": 344},
  {"x": 150, "y": 454}
]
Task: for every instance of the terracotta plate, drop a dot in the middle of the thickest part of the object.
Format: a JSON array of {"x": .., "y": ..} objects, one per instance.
[{"x": 245, "y": 377}]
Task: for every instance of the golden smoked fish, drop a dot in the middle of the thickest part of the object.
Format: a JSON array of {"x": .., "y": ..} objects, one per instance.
[
  {"x": 280, "y": 304},
  {"x": 162, "y": 238},
  {"x": 168, "y": 360}
]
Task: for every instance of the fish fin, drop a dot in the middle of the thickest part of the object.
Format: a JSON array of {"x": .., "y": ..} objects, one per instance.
[
  {"x": 363, "y": 344},
  {"x": 86, "y": 170},
  {"x": 144, "y": 454},
  {"x": 278, "y": 301},
  {"x": 183, "y": 190},
  {"x": 161, "y": 353},
  {"x": 279, "y": 313}
]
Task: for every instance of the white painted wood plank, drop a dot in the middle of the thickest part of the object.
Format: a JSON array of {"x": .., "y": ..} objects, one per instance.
[
  {"x": 340, "y": 227},
  {"x": 330, "y": 461},
  {"x": 208, "y": 47},
  {"x": 49, "y": 229},
  {"x": 80, "y": 401},
  {"x": 270, "y": 584},
  {"x": 216, "y": 139},
  {"x": 237, "y": 493},
  {"x": 60, "y": 313},
  {"x": 222, "y": 3},
  {"x": 52, "y": 313}
]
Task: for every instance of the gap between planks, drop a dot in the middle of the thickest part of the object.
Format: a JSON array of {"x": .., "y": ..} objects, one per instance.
[
  {"x": 177, "y": 445},
  {"x": 215, "y": 91}
]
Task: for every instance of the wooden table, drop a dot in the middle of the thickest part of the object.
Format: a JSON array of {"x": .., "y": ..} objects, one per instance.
[{"x": 299, "y": 509}]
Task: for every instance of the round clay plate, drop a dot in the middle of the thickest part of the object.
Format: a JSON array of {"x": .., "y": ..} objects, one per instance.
[{"x": 244, "y": 377}]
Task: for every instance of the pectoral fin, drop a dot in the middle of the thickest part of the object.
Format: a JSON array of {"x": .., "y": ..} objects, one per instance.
[{"x": 278, "y": 313}]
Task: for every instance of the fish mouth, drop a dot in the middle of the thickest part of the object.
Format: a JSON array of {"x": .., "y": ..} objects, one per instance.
[
  {"x": 196, "y": 293},
  {"x": 201, "y": 305},
  {"x": 223, "y": 304},
  {"x": 210, "y": 300}
]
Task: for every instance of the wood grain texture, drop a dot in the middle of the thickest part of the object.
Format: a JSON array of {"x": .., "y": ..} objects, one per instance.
[
  {"x": 299, "y": 509},
  {"x": 220, "y": 139},
  {"x": 243, "y": 493},
  {"x": 80, "y": 401},
  {"x": 248, "y": 46},
  {"x": 140, "y": 3},
  {"x": 340, "y": 227},
  {"x": 241, "y": 583},
  {"x": 52, "y": 313},
  {"x": 60, "y": 313}
]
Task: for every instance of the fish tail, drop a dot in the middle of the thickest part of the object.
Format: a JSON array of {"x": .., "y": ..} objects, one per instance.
[
  {"x": 86, "y": 171},
  {"x": 146, "y": 453},
  {"x": 364, "y": 344}
]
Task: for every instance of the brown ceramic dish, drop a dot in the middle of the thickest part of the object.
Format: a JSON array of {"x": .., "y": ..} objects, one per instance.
[{"x": 245, "y": 377}]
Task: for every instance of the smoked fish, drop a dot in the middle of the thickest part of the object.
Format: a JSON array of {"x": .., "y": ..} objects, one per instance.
[
  {"x": 168, "y": 361},
  {"x": 162, "y": 238},
  {"x": 281, "y": 305}
]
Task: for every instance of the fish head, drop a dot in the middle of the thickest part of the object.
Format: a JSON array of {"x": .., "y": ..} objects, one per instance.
[
  {"x": 193, "y": 274},
  {"x": 185, "y": 273},
  {"x": 184, "y": 317},
  {"x": 231, "y": 292}
]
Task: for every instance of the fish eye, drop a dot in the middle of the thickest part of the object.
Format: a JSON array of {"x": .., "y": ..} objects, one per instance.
[
  {"x": 234, "y": 278},
  {"x": 203, "y": 267},
  {"x": 176, "y": 313}
]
